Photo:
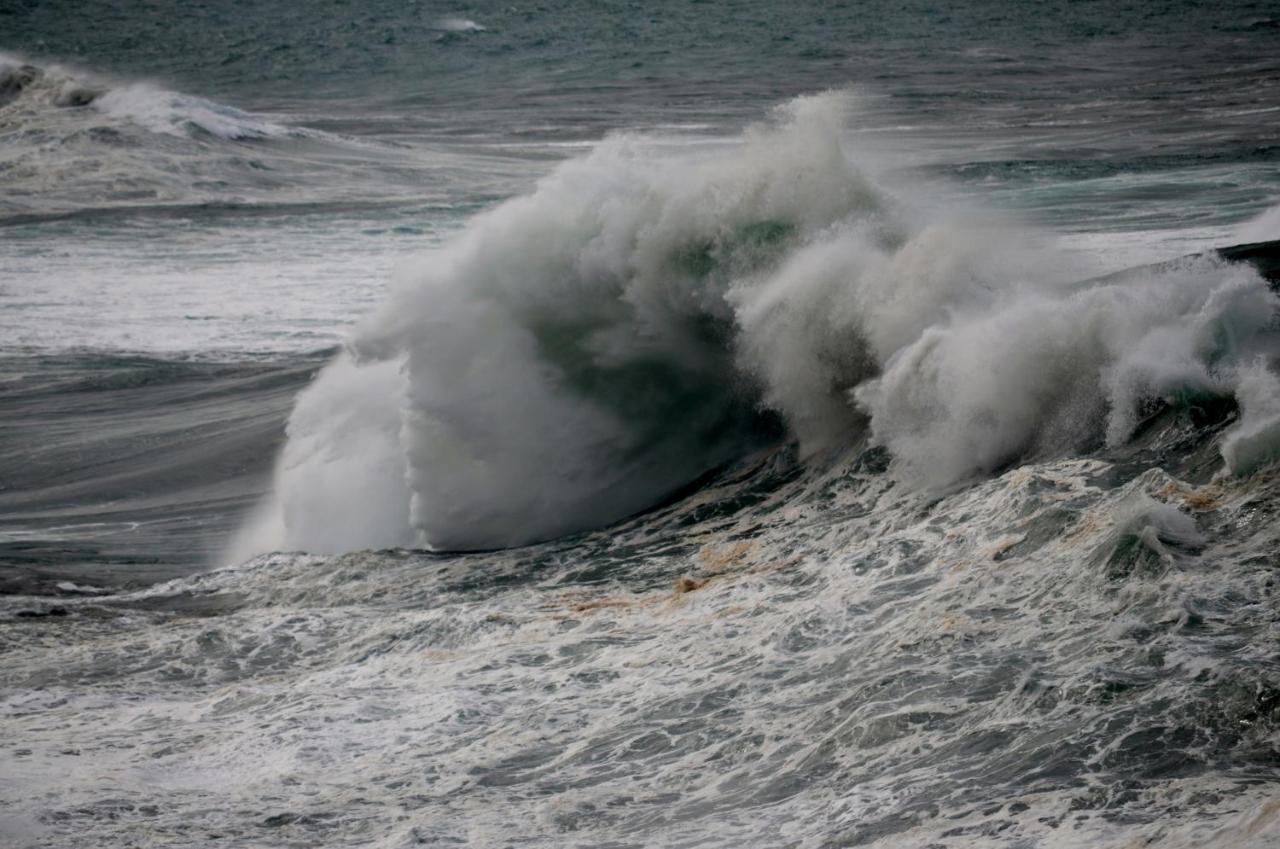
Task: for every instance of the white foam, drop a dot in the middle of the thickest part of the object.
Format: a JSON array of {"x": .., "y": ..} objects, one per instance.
[
  {"x": 340, "y": 481},
  {"x": 1038, "y": 372},
  {"x": 1255, "y": 441},
  {"x": 162, "y": 111},
  {"x": 844, "y": 673}
]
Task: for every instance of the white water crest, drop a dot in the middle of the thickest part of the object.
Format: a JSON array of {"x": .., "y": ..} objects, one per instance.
[
  {"x": 644, "y": 316},
  {"x": 161, "y": 111},
  {"x": 1037, "y": 372},
  {"x": 25, "y": 87}
]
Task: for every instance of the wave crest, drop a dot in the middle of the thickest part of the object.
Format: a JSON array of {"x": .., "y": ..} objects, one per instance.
[
  {"x": 581, "y": 352},
  {"x": 27, "y": 87}
]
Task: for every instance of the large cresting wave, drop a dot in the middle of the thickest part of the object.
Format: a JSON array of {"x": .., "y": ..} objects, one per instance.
[{"x": 642, "y": 317}]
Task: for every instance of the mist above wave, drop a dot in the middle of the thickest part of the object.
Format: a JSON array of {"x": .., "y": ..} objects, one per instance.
[{"x": 583, "y": 351}]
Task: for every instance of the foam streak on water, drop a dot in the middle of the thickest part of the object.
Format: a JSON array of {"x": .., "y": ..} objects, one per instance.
[{"x": 1047, "y": 657}]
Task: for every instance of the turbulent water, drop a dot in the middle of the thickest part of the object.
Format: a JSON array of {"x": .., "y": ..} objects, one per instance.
[{"x": 639, "y": 425}]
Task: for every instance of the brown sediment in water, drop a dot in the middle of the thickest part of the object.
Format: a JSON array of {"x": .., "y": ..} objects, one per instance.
[
  {"x": 1000, "y": 546},
  {"x": 1267, "y": 815},
  {"x": 717, "y": 563},
  {"x": 1207, "y": 497},
  {"x": 685, "y": 584},
  {"x": 720, "y": 558},
  {"x": 586, "y": 605}
]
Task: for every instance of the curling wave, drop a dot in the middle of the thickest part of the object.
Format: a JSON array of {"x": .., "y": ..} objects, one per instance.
[{"x": 580, "y": 353}]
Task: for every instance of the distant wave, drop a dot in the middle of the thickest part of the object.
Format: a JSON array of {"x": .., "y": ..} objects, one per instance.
[
  {"x": 77, "y": 140},
  {"x": 641, "y": 318},
  {"x": 146, "y": 105}
]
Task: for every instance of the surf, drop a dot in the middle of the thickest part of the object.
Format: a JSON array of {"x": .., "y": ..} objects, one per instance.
[{"x": 642, "y": 317}]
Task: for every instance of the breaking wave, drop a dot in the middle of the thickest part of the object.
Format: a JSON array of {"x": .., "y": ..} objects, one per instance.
[
  {"x": 581, "y": 353},
  {"x": 26, "y": 87},
  {"x": 75, "y": 140}
]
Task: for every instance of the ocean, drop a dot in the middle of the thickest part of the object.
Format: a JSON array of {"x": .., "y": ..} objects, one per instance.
[{"x": 615, "y": 424}]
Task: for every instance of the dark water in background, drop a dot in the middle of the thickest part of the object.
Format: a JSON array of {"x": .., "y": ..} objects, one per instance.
[
  {"x": 1020, "y": 619},
  {"x": 1069, "y": 93}
]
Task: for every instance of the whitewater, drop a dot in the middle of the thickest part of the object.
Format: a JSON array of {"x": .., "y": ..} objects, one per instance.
[
  {"x": 639, "y": 320},
  {"x": 439, "y": 426}
]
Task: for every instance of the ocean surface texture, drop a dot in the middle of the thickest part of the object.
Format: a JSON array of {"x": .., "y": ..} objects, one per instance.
[{"x": 617, "y": 424}]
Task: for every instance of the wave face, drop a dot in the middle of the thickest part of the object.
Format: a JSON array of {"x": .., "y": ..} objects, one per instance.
[{"x": 641, "y": 318}]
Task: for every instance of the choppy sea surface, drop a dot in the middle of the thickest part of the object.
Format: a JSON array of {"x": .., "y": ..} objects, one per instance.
[{"x": 625, "y": 425}]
